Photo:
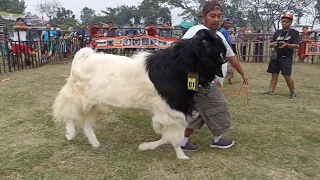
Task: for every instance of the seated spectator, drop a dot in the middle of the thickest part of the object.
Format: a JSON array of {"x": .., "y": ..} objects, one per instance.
[
  {"x": 165, "y": 31},
  {"x": 131, "y": 31},
  {"x": 152, "y": 30}
]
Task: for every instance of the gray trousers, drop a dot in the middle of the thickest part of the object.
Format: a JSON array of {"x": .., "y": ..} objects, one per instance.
[{"x": 212, "y": 106}]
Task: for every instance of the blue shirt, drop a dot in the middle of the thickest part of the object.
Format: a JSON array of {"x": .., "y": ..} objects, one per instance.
[
  {"x": 226, "y": 35},
  {"x": 46, "y": 35},
  {"x": 131, "y": 32}
]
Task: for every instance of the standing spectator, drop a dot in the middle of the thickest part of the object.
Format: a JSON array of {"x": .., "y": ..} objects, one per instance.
[
  {"x": 226, "y": 23},
  {"x": 258, "y": 46},
  {"x": 243, "y": 40},
  {"x": 63, "y": 45},
  {"x": 46, "y": 38},
  {"x": 233, "y": 38},
  {"x": 305, "y": 38},
  {"x": 224, "y": 31},
  {"x": 19, "y": 45},
  {"x": 284, "y": 41}
]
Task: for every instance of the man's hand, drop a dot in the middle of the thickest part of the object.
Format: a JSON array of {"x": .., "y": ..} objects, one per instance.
[
  {"x": 236, "y": 65},
  {"x": 245, "y": 79},
  {"x": 284, "y": 45},
  {"x": 274, "y": 44}
]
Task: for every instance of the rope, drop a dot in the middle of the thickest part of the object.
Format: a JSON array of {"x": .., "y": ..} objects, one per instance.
[{"x": 243, "y": 94}]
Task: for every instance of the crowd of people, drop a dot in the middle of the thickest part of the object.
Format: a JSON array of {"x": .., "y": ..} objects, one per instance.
[{"x": 111, "y": 30}]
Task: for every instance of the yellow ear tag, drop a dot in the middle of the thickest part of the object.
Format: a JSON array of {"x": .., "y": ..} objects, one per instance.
[{"x": 193, "y": 82}]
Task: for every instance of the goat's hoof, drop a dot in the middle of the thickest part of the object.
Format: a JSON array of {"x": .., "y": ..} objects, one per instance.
[
  {"x": 96, "y": 145},
  {"x": 69, "y": 137},
  {"x": 183, "y": 158},
  {"x": 144, "y": 147}
]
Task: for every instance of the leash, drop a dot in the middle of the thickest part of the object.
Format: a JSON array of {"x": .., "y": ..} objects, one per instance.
[{"x": 242, "y": 93}]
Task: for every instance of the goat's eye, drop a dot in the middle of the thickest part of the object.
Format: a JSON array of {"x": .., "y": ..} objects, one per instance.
[{"x": 204, "y": 42}]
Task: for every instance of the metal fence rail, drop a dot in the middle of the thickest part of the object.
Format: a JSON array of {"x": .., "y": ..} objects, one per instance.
[{"x": 33, "y": 53}]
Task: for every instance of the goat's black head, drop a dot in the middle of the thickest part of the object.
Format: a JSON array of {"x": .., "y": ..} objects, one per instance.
[{"x": 211, "y": 50}]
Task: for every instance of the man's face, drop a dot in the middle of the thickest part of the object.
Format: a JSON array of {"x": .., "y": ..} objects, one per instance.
[
  {"x": 48, "y": 26},
  {"x": 227, "y": 25},
  {"x": 286, "y": 23},
  {"x": 20, "y": 22},
  {"x": 212, "y": 19},
  {"x": 305, "y": 30},
  {"x": 131, "y": 27}
]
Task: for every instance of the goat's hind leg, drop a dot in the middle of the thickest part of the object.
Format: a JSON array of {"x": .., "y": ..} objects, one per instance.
[
  {"x": 87, "y": 127},
  {"x": 71, "y": 130},
  {"x": 153, "y": 145}
]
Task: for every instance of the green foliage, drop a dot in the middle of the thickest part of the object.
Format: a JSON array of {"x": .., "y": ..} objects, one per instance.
[
  {"x": 122, "y": 14},
  {"x": 87, "y": 15},
  {"x": 13, "y": 6},
  {"x": 154, "y": 12}
]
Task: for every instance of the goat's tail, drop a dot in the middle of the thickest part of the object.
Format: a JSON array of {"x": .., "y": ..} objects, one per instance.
[
  {"x": 66, "y": 105},
  {"x": 82, "y": 54}
]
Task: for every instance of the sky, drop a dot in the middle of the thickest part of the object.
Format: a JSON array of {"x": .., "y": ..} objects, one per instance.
[{"x": 98, "y": 5}]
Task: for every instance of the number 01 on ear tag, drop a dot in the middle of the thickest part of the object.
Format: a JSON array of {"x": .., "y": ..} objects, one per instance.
[{"x": 193, "y": 80}]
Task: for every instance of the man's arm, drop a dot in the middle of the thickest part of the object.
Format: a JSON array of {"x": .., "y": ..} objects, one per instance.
[
  {"x": 21, "y": 27},
  {"x": 273, "y": 42},
  {"x": 295, "y": 42},
  {"x": 233, "y": 59}
]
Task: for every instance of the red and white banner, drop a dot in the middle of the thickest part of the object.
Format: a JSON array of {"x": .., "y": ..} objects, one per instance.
[{"x": 313, "y": 48}]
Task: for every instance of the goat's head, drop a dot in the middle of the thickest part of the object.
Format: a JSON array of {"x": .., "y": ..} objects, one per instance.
[{"x": 210, "y": 50}]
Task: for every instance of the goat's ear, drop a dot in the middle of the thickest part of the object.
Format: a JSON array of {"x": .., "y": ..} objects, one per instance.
[{"x": 218, "y": 72}]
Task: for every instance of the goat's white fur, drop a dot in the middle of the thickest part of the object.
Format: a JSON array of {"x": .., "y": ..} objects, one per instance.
[{"x": 97, "y": 81}]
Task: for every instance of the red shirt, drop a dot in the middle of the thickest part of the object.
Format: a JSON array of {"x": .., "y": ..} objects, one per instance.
[
  {"x": 93, "y": 30},
  {"x": 152, "y": 32}
]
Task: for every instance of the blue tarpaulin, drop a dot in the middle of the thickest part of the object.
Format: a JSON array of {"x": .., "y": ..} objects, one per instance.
[{"x": 186, "y": 25}]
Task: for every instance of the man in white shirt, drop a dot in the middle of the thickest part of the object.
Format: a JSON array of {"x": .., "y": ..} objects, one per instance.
[{"x": 210, "y": 102}]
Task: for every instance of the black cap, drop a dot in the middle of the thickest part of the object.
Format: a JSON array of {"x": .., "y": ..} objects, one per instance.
[{"x": 211, "y": 5}]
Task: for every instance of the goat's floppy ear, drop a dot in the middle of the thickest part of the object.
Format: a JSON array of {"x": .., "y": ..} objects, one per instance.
[
  {"x": 218, "y": 72},
  {"x": 200, "y": 34}
]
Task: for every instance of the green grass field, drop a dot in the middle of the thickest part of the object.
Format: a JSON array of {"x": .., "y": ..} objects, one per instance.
[{"x": 276, "y": 137}]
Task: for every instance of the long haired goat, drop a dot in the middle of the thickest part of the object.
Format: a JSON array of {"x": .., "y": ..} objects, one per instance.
[{"x": 153, "y": 81}]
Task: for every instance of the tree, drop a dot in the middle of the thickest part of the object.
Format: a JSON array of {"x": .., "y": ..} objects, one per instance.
[
  {"x": 317, "y": 10},
  {"x": 153, "y": 11},
  {"x": 191, "y": 9},
  {"x": 13, "y": 6},
  {"x": 64, "y": 17},
  {"x": 122, "y": 14},
  {"x": 299, "y": 13},
  {"x": 313, "y": 10},
  {"x": 49, "y": 8},
  {"x": 271, "y": 11},
  {"x": 30, "y": 15},
  {"x": 87, "y": 15}
]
